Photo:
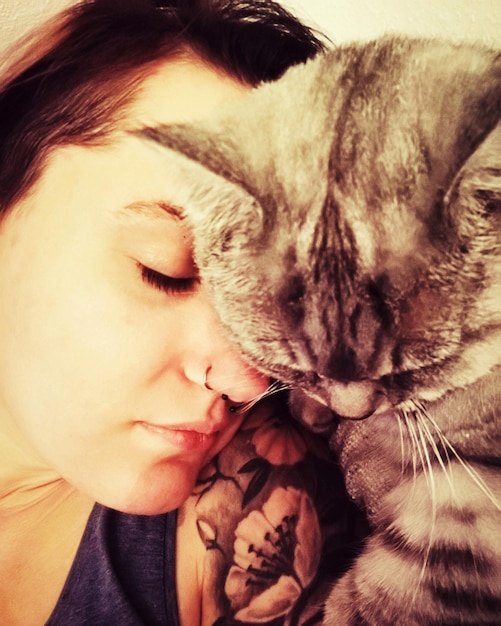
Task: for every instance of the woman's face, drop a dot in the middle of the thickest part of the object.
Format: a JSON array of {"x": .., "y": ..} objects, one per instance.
[{"x": 102, "y": 361}]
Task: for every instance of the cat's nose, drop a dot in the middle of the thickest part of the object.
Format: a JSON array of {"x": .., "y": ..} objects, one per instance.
[{"x": 356, "y": 400}]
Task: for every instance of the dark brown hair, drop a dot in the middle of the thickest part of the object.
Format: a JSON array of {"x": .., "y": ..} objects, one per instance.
[{"x": 71, "y": 81}]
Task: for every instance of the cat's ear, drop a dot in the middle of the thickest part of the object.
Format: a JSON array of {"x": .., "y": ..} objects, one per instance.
[
  {"x": 474, "y": 199},
  {"x": 208, "y": 147},
  {"x": 227, "y": 168}
]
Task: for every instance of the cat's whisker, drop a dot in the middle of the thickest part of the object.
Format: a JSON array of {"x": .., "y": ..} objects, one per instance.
[
  {"x": 419, "y": 439},
  {"x": 444, "y": 443},
  {"x": 221, "y": 382},
  {"x": 399, "y": 416},
  {"x": 472, "y": 473},
  {"x": 413, "y": 442},
  {"x": 446, "y": 464},
  {"x": 277, "y": 386},
  {"x": 424, "y": 425},
  {"x": 428, "y": 467},
  {"x": 274, "y": 388},
  {"x": 425, "y": 439},
  {"x": 409, "y": 420}
]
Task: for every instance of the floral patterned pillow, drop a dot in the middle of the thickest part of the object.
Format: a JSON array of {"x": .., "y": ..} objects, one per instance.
[{"x": 277, "y": 525}]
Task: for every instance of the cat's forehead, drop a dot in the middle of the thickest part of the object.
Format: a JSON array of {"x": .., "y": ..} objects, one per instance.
[{"x": 348, "y": 109}]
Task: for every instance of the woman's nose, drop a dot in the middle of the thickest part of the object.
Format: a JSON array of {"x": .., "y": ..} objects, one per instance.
[
  {"x": 213, "y": 362},
  {"x": 222, "y": 370},
  {"x": 230, "y": 375}
]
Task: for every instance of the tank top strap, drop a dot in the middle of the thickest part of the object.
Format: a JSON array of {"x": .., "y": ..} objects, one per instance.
[{"x": 124, "y": 572}]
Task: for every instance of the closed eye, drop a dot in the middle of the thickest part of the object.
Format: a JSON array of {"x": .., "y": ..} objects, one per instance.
[{"x": 169, "y": 284}]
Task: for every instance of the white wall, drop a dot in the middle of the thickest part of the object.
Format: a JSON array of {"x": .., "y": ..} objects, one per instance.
[
  {"x": 345, "y": 20},
  {"x": 342, "y": 19},
  {"x": 17, "y": 16}
]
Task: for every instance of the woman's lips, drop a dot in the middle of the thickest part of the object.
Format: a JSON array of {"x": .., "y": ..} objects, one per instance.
[{"x": 183, "y": 437}]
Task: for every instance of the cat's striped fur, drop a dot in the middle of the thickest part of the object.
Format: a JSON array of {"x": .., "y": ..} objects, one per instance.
[{"x": 347, "y": 224}]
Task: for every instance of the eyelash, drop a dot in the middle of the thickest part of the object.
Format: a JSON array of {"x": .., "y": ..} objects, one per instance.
[{"x": 168, "y": 284}]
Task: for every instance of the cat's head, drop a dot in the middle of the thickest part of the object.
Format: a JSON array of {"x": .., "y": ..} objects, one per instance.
[{"x": 346, "y": 221}]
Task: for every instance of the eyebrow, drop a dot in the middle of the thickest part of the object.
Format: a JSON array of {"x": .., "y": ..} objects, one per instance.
[{"x": 155, "y": 208}]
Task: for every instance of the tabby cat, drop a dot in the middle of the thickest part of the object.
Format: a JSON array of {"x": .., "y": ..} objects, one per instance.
[{"x": 346, "y": 223}]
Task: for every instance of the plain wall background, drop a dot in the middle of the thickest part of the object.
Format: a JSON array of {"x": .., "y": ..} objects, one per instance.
[
  {"x": 342, "y": 20},
  {"x": 345, "y": 20}
]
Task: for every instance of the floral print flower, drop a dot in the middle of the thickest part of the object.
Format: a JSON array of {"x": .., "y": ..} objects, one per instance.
[
  {"x": 276, "y": 440},
  {"x": 277, "y": 551},
  {"x": 279, "y": 443}
]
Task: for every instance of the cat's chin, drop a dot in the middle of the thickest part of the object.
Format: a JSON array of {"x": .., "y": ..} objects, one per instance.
[
  {"x": 321, "y": 419},
  {"x": 332, "y": 399},
  {"x": 314, "y": 414}
]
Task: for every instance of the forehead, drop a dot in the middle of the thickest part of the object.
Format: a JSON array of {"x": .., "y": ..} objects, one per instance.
[{"x": 183, "y": 89}]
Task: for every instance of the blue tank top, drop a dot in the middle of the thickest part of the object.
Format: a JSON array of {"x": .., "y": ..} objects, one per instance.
[{"x": 124, "y": 573}]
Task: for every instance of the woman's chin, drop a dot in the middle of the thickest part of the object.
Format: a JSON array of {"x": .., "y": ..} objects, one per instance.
[{"x": 160, "y": 490}]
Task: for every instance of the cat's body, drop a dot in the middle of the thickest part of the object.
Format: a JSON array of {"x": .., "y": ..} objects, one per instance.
[{"x": 346, "y": 222}]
